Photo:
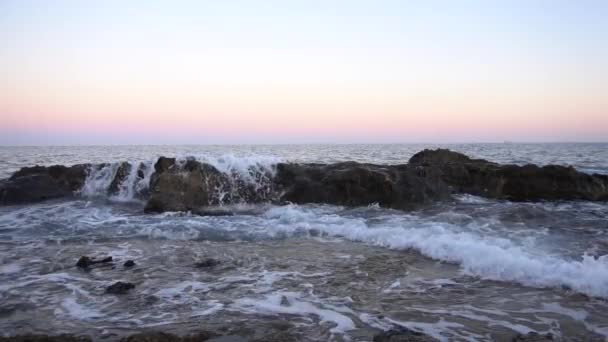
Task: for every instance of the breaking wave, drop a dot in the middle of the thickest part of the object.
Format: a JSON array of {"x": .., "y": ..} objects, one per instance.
[
  {"x": 492, "y": 258},
  {"x": 130, "y": 181}
]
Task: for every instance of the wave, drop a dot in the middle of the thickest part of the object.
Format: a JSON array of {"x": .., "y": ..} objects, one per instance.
[
  {"x": 488, "y": 257},
  {"x": 130, "y": 180}
]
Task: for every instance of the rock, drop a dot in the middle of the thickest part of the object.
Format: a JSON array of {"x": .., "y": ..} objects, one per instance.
[
  {"x": 119, "y": 288},
  {"x": 403, "y": 335},
  {"x": 46, "y": 338},
  {"x": 39, "y": 183},
  {"x": 129, "y": 263},
  {"x": 512, "y": 182},
  {"x": 209, "y": 262},
  {"x": 86, "y": 262},
  {"x": 441, "y": 157},
  {"x": 355, "y": 184},
  {"x": 185, "y": 188},
  {"x": 122, "y": 172},
  {"x": 532, "y": 337}
]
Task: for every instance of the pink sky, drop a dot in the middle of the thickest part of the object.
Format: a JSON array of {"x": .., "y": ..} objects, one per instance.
[{"x": 76, "y": 75}]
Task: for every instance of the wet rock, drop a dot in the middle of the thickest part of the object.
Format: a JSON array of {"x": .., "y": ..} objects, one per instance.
[
  {"x": 120, "y": 288},
  {"x": 403, "y": 335},
  {"x": 45, "y": 338},
  {"x": 355, "y": 184},
  {"x": 129, "y": 263},
  {"x": 207, "y": 263},
  {"x": 532, "y": 337},
  {"x": 86, "y": 262},
  {"x": 122, "y": 172},
  {"x": 40, "y": 183},
  {"x": 185, "y": 188},
  {"x": 512, "y": 182}
]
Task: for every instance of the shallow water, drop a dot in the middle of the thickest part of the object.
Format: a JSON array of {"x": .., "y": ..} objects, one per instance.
[{"x": 470, "y": 269}]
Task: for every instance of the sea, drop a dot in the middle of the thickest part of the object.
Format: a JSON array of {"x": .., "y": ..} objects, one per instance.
[{"x": 469, "y": 269}]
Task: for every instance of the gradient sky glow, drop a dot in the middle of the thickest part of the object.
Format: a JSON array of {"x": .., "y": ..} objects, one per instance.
[{"x": 163, "y": 72}]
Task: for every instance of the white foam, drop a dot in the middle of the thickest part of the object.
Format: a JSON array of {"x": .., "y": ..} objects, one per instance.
[
  {"x": 291, "y": 303},
  {"x": 177, "y": 292},
  {"x": 10, "y": 268},
  {"x": 485, "y": 256},
  {"x": 73, "y": 309},
  {"x": 99, "y": 179}
]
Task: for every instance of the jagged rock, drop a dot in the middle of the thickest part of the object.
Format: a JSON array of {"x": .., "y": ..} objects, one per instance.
[
  {"x": 532, "y": 337},
  {"x": 86, "y": 262},
  {"x": 517, "y": 183},
  {"x": 122, "y": 172},
  {"x": 119, "y": 288},
  {"x": 39, "y": 183},
  {"x": 209, "y": 262},
  {"x": 403, "y": 335},
  {"x": 129, "y": 263}
]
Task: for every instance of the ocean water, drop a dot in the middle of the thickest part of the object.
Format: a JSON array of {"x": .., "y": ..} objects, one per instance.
[{"x": 471, "y": 269}]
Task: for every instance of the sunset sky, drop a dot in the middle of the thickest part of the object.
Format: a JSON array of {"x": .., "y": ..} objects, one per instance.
[{"x": 173, "y": 72}]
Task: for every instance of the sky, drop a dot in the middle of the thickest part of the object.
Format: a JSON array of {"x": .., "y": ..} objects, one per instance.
[{"x": 234, "y": 72}]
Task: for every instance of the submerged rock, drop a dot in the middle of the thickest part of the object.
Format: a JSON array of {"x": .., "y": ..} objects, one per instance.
[
  {"x": 403, "y": 335},
  {"x": 129, "y": 263},
  {"x": 207, "y": 263},
  {"x": 39, "y": 183},
  {"x": 86, "y": 262},
  {"x": 533, "y": 337},
  {"x": 119, "y": 288}
]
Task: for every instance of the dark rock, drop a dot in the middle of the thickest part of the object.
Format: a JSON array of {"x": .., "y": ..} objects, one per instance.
[
  {"x": 403, "y": 335},
  {"x": 46, "y": 338},
  {"x": 209, "y": 262},
  {"x": 122, "y": 172},
  {"x": 129, "y": 263},
  {"x": 512, "y": 182},
  {"x": 183, "y": 189},
  {"x": 39, "y": 183},
  {"x": 441, "y": 157},
  {"x": 119, "y": 288},
  {"x": 86, "y": 262},
  {"x": 532, "y": 337},
  {"x": 355, "y": 184}
]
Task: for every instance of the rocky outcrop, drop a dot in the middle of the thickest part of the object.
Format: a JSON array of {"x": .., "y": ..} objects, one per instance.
[
  {"x": 193, "y": 186},
  {"x": 190, "y": 185},
  {"x": 39, "y": 183},
  {"x": 355, "y": 184},
  {"x": 512, "y": 182},
  {"x": 185, "y": 187}
]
